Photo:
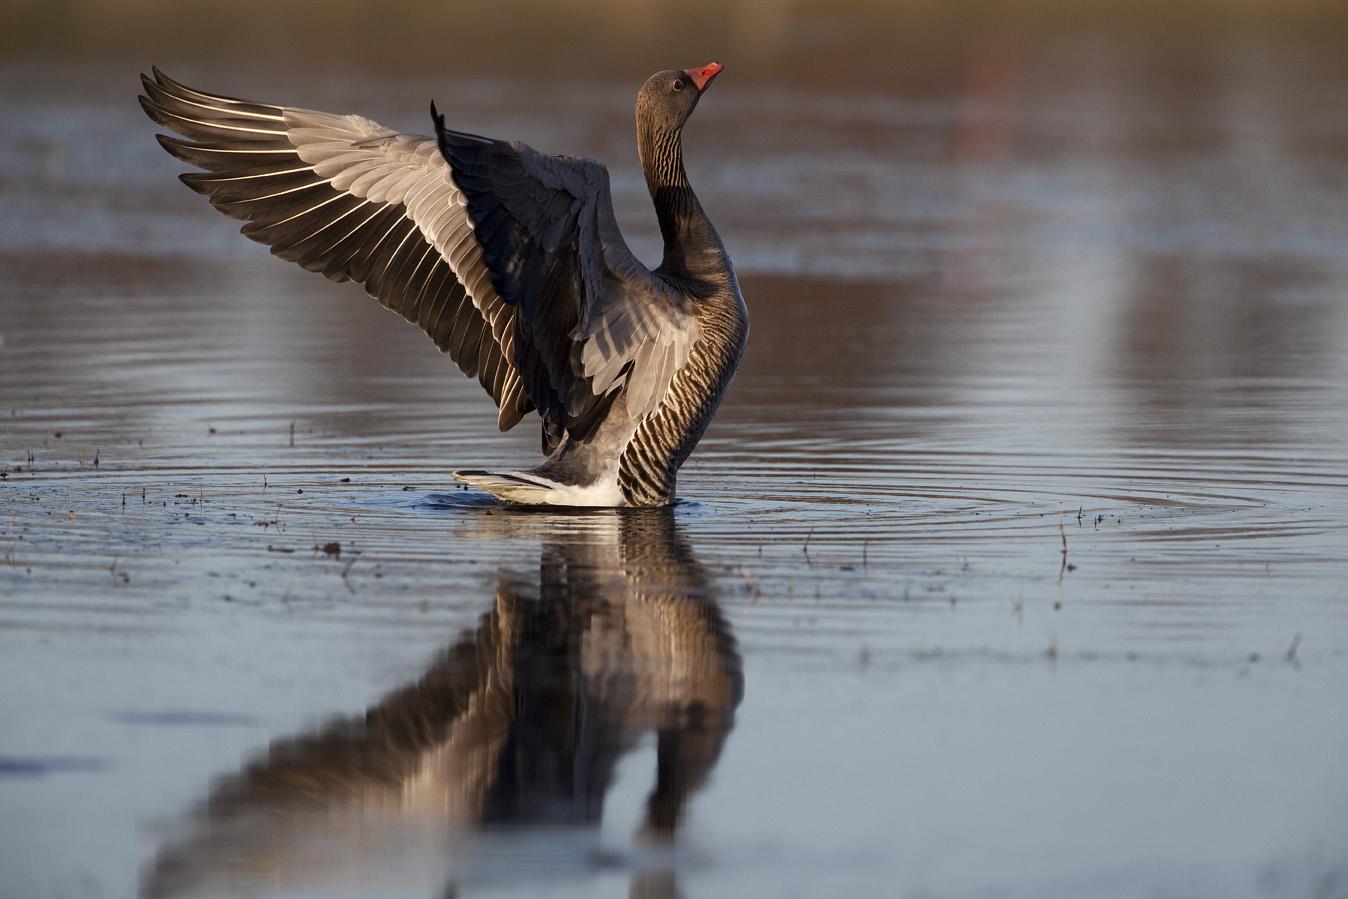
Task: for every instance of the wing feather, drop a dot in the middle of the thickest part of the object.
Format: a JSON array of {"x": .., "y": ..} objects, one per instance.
[
  {"x": 346, "y": 197},
  {"x": 511, "y": 261},
  {"x": 598, "y": 321}
]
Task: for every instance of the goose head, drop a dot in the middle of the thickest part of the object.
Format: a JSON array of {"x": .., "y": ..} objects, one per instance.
[{"x": 667, "y": 98}]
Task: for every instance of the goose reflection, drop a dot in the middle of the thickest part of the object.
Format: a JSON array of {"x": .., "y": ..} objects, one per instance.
[{"x": 518, "y": 723}]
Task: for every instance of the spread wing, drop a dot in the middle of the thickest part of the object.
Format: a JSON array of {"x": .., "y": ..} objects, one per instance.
[
  {"x": 509, "y": 260},
  {"x": 349, "y": 198}
]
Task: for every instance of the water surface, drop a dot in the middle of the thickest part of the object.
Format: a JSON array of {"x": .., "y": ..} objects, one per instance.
[{"x": 1014, "y": 564}]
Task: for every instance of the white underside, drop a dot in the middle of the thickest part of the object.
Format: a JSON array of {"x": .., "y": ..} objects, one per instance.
[{"x": 528, "y": 489}]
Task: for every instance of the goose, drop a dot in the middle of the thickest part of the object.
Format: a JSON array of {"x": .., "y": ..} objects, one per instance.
[{"x": 511, "y": 260}]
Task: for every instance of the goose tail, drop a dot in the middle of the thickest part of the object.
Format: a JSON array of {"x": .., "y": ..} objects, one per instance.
[
  {"x": 513, "y": 487},
  {"x": 526, "y": 488}
]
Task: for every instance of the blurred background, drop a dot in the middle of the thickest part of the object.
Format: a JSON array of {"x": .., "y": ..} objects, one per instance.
[
  {"x": 1165, "y": 179},
  {"x": 1021, "y": 276}
]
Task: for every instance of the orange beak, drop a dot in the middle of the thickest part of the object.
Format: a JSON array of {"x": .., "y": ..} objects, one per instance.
[{"x": 703, "y": 76}]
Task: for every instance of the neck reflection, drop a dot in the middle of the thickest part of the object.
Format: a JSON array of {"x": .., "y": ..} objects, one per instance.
[{"x": 519, "y": 722}]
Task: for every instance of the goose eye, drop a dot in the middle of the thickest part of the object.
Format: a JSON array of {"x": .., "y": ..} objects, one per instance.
[{"x": 678, "y": 85}]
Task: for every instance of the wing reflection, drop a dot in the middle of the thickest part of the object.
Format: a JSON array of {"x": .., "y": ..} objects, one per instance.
[{"x": 520, "y": 722}]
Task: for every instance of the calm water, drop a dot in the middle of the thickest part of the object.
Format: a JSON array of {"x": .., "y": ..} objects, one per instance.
[{"x": 1015, "y": 564}]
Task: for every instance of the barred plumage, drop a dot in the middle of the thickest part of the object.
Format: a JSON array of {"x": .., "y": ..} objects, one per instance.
[{"x": 662, "y": 443}]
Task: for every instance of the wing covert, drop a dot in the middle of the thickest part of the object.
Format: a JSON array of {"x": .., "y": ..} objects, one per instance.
[{"x": 601, "y": 323}]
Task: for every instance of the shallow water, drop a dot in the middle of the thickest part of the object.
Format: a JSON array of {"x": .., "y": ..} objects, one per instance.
[{"x": 1016, "y": 562}]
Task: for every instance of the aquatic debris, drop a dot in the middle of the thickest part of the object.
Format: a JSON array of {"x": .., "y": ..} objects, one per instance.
[
  {"x": 332, "y": 548},
  {"x": 276, "y": 520},
  {"x": 1062, "y": 532},
  {"x": 346, "y": 571},
  {"x": 751, "y": 582}
]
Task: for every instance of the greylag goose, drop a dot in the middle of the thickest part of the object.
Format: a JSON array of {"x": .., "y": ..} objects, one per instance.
[{"x": 511, "y": 260}]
